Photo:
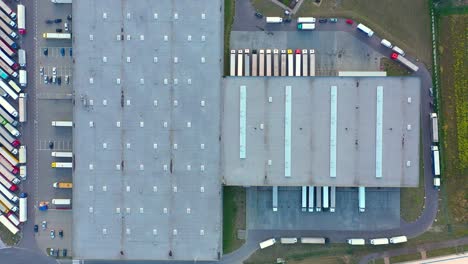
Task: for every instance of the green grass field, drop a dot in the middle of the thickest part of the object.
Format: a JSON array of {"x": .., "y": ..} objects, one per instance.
[
  {"x": 404, "y": 23},
  {"x": 454, "y": 121},
  {"x": 229, "y": 10},
  {"x": 7, "y": 237},
  {"x": 233, "y": 217},
  {"x": 392, "y": 68}
]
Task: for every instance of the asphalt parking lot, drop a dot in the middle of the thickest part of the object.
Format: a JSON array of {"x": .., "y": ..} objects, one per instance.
[
  {"x": 53, "y": 102},
  {"x": 335, "y": 51},
  {"x": 382, "y": 210}
]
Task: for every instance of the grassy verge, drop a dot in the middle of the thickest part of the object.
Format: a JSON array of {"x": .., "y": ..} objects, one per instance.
[
  {"x": 442, "y": 252},
  {"x": 408, "y": 257},
  {"x": 392, "y": 68},
  {"x": 406, "y": 25},
  {"x": 412, "y": 199},
  {"x": 233, "y": 217},
  {"x": 229, "y": 9},
  {"x": 7, "y": 237},
  {"x": 454, "y": 122}
]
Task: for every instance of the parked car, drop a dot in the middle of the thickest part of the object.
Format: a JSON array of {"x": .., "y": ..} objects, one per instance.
[
  {"x": 62, "y": 51},
  {"x": 51, "y": 144},
  {"x": 64, "y": 252},
  {"x": 44, "y": 225},
  {"x": 36, "y": 228},
  {"x": 67, "y": 79},
  {"x": 46, "y": 51},
  {"x": 287, "y": 20},
  {"x": 58, "y": 20},
  {"x": 61, "y": 233},
  {"x": 52, "y": 252},
  {"x": 54, "y": 70},
  {"x": 323, "y": 20},
  {"x": 71, "y": 52},
  {"x": 349, "y": 21},
  {"x": 58, "y": 30},
  {"x": 333, "y": 20},
  {"x": 65, "y": 25},
  {"x": 258, "y": 14},
  {"x": 46, "y": 79},
  {"x": 69, "y": 17},
  {"x": 48, "y": 21},
  {"x": 54, "y": 79},
  {"x": 52, "y": 234},
  {"x": 59, "y": 80},
  {"x": 41, "y": 71}
]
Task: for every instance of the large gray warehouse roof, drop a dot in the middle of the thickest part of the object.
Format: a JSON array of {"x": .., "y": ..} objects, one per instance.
[
  {"x": 322, "y": 131},
  {"x": 147, "y": 125}
]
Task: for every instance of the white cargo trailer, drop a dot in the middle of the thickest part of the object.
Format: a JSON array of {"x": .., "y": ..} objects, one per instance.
[
  {"x": 274, "y": 20},
  {"x": 267, "y": 243},
  {"x": 62, "y": 123}
]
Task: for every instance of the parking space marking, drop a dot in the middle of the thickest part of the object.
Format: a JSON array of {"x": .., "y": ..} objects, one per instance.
[{"x": 59, "y": 145}]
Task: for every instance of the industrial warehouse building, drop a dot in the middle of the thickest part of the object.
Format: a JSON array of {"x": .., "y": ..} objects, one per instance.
[
  {"x": 324, "y": 131},
  {"x": 158, "y": 131},
  {"x": 146, "y": 137}
]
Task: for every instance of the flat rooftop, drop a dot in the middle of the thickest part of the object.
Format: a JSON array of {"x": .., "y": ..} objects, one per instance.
[
  {"x": 147, "y": 80},
  {"x": 322, "y": 131}
]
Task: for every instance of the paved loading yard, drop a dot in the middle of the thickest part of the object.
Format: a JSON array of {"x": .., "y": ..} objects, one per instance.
[
  {"x": 146, "y": 182},
  {"x": 382, "y": 210}
]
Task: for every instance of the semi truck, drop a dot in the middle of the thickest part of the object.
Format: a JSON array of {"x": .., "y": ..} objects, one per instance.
[
  {"x": 435, "y": 128},
  {"x": 8, "y": 146},
  {"x": 11, "y": 227},
  {"x": 356, "y": 241},
  {"x": 306, "y": 20},
  {"x": 254, "y": 63},
  {"x": 7, "y": 155},
  {"x": 246, "y": 62},
  {"x": 366, "y": 30},
  {"x": 62, "y": 123},
  {"x": 274, "y": 20},
  {"x": 8, "y": 175},
  {"x": 318, "y": 205},
  {"x": 398, "y": 50},
  {"x": 8, "y": 90},
  {"x": 22, "y": 107},
  {"x": 62, "y": 154},
  {"x": 283, "y": 63},
  {"x": 312, "y": 62},
  {"x": 7, "y": 49},
  {"x": 362, "y": 199},
  {"x": 8, "y": 194},
  {"x": 13, "y": 218},
  {"x": 7, "y": 19},
  {"x": 275, "y": 198},
  {"x": 23, "y": 207},
  {"x": 240, "y": 63},
  {"x": 386, "y": 43},
  {"x": 56, "y": 35},
  {"x": 261, "y": 63},
  {"x": 64, "y": 165},
  {"x": 311, "y": 198},
  {"x": 268, "y": 62},
  {"x": 304, "y": 199},
  {"x": 298, "y": 62},
  {"x": 61, "y": 1},
  {"x": 398, "y": 239},
  {"x": 332, "y": 199},
  {"x": 379, "y": 241},
  {"x": 8, "y": 30},
  {"x": 8, "y": 166},
  {"x": 8, "y": 70},
  {"x": 22, "y": 154},
  {"x": 23, "y": 78},
  {"x": 306, "y": 26},
  {"x": 314, "y": 240},
  {"x": 8, "y": 40},
  {"x": 326, "y": 203},
  {"x": 12, "y": 130},
  {"x": 21, "y": 19},
  {"x": 404, "y": 61},
  {"x": 10, "y": 186},
  {"x": 290, "y": 63},
  {"x": 8, "y": 204},
  {"x": 22, "y": 57},
  {"x": 435, "y": 161},
  {"x": 288, "y": 240},
  {"x": 232, "y": 61},
  {"x": 7, "y": 9},
  {"x": 63, "y": 185},
  {"x": 267, "y": 243},
  {"x": 275, "y": 62},
  {"x": 305, "y": 62},
  {"x": 9, "y": 138},
  {"x": 61, "y": 202},
  {"x": 7, "y": 117}
]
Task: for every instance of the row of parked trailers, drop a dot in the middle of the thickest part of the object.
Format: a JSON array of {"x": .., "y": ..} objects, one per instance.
[
  {"x": 10, "y": 93},
  {"x": 272, "y": 62},
  {"x": 319, "y": 198}
]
